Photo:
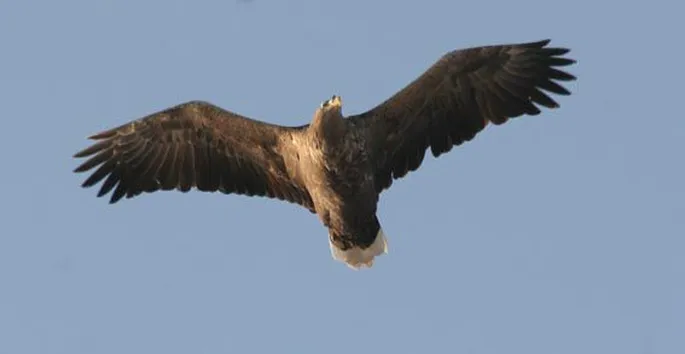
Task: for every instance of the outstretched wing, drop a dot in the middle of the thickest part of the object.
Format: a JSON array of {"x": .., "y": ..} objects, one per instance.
[
  {"x": 195, "y": 144},
  {"x": 456, "y": 98}
]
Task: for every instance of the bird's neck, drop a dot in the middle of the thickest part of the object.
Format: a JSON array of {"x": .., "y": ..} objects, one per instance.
[{"x": 328, "y": 131}]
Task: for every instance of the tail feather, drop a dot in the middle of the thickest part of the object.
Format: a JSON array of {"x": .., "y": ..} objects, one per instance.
[{"x": 356, "y": 257}]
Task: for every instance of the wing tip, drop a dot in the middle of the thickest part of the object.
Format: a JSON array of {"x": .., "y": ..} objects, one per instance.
[
  {"x": 554, "y": 51},
  {"x": 82, "y": 153},
  {"x": 79, "y": 169},
  {"x": 544, "y": 42},
  {"x": 535, "y": 44},
  {"x": 103, "y": 134}
]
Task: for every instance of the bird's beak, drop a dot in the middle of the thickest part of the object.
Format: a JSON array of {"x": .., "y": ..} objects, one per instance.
[{"x": 336, "y": 101}]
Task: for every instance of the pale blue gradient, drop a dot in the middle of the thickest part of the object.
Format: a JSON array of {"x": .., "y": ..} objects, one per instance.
[{"x": 561, "y": 233}]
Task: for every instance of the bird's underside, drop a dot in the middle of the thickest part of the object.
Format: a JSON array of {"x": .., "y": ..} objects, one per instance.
[{"x": 200, "y": 145}]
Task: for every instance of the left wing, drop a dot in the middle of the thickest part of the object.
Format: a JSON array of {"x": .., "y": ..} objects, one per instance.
[{"x": 456, "y": 98}]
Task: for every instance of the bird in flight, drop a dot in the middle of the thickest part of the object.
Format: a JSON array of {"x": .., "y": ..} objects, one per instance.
[{"x": 335, "y": 166}]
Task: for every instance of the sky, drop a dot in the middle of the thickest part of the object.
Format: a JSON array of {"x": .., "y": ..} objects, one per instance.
[{"x": 560, "y": 233}]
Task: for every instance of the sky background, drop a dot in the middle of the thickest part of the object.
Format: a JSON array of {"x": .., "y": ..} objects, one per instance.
[{"x": 561, "y": 233}]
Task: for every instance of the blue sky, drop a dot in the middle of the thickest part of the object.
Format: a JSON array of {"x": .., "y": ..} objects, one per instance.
[{"x": 560, "y": 233}]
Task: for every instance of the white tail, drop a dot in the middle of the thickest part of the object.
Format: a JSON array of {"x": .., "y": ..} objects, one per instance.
[{"x": 356, "y": 257}]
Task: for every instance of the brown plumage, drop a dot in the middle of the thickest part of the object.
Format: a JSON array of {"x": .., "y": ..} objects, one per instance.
[
  {"x": 334, "y": 167},
  {"x": 194, "y": 144}
]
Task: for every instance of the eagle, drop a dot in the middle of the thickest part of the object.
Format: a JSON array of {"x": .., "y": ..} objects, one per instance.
[{"x": 336, "y": 167}]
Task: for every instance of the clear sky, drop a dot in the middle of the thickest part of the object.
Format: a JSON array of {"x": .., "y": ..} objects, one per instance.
[{"x": 561, "y": 233}]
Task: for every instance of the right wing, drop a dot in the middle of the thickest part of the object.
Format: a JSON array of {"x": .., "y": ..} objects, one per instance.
[{"x": 195, "y": 144}]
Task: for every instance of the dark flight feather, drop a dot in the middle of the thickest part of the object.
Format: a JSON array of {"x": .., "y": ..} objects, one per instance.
[
  {"x": 456, "y": 98},
  {"x": 193, "y": 145}
]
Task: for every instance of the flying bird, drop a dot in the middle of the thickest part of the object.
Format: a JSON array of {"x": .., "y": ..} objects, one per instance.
[{"x": 335, "y": 166}]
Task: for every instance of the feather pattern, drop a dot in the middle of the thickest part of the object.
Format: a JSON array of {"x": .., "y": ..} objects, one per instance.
[
  {"x": 194, "y": 145},
  {"x": 456, "y": 98}
]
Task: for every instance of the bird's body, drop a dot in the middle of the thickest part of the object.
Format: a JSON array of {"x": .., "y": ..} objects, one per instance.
[
  {"x": 336, "y": 166},
  {"x": 340, "y": 179}
]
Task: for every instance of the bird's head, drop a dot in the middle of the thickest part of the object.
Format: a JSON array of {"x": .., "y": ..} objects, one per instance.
[{"x": 333, "y": 104}]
